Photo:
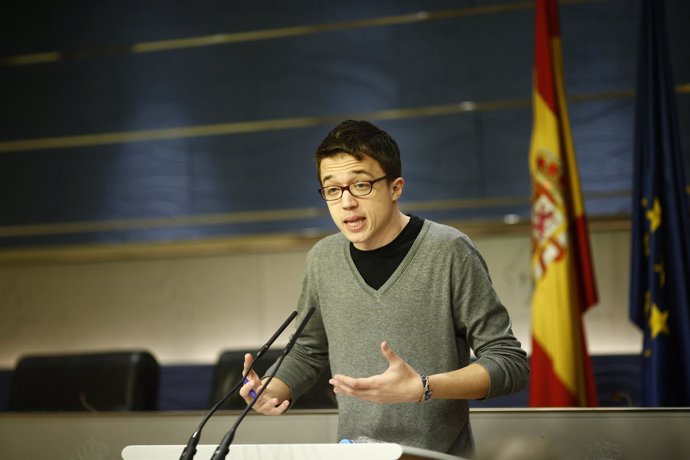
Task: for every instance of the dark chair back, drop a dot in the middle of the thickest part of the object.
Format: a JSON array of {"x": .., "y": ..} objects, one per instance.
[{"x": 117, "y": 381}]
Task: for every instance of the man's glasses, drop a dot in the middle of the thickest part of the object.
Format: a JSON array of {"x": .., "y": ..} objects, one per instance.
[{"x": 359, "y": 188}]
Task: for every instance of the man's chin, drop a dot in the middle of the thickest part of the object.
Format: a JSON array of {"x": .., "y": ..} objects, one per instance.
[{"x": 353, "y": 237}]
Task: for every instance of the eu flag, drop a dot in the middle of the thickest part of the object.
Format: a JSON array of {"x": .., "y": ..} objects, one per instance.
[{"x": 660, "y": 279}]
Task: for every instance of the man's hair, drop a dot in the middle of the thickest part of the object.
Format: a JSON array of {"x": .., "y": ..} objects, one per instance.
[{"x": 360, "y": 138}]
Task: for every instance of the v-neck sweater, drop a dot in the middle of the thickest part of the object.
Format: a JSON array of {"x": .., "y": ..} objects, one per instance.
[
  {"x": 377, "y": 265},
  {"x": 436, "y": 306}
]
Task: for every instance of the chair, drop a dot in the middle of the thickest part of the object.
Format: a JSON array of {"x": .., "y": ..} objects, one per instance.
[
  {"x": 619, "y": 380},
  {"x": 228, "y": 371},
  {"x": 115, "y": 381}
]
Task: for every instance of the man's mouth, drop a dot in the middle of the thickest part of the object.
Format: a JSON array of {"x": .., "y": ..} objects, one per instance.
[{"x": 354, "y": 223}]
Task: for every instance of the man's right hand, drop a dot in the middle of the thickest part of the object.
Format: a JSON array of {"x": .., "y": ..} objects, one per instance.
[{"x": 274, "y": 401}]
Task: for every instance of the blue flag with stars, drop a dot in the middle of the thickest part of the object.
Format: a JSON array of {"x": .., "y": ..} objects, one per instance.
[{"x": 660, "y": 279}]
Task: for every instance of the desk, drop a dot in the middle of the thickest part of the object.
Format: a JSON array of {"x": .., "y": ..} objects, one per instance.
[{"x": 629, "y": 434}]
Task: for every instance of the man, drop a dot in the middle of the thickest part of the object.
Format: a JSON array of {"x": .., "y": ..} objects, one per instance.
[{"x": 400, "y": 302}]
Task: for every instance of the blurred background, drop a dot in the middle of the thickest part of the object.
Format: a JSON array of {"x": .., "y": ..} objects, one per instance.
[{"x": 156, "y": 177}]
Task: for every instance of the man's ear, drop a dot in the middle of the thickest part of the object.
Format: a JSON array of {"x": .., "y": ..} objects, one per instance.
[{"x": 397, "y": 188}]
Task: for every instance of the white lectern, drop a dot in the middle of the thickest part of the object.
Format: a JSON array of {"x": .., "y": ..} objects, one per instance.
[{"x": 366, "y": 451}]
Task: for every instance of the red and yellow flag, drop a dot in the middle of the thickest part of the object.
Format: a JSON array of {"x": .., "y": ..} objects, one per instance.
[{"x": 564, "y": 287}]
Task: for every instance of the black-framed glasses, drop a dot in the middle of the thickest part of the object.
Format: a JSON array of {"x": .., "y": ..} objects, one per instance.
[{"x": 359, "y": 188}]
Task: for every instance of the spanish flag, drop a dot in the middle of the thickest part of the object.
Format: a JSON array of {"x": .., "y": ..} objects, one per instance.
[{"x": 564, "y": 287}]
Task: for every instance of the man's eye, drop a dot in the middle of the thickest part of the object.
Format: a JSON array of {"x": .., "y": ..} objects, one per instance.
[
  {"x": 360, "y": 186},
  {"x": 331, "y": 191}
]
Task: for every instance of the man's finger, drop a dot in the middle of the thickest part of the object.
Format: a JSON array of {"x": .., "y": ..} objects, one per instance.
[
  {"x": 388, "y": 353},
  {"x": 349, "y": 383},
  {"x": 247, "y": 388},
  {"x": 279, "y": 409},
  {"x": 248, "y": 359},
  {"x": 270, "y": 406},
  {"x": 352, "y": 386}
]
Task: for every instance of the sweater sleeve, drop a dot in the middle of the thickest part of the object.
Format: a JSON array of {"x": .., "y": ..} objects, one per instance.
[
  {"x": 305, "y": 362},
  {"x": 483, "y": 321}
]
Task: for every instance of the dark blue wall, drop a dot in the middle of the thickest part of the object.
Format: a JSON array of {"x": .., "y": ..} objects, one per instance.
[{"x": 100, "y": 84}]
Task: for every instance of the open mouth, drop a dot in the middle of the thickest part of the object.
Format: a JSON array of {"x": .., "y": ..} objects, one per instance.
[{"x": 354, "y": 223}]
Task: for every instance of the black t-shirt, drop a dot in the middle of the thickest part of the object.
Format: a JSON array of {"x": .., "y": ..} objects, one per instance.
[{"x": 377, "y": 265}]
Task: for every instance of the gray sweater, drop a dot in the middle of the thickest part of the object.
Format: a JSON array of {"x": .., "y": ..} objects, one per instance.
[{"x": 436, "y": 306}]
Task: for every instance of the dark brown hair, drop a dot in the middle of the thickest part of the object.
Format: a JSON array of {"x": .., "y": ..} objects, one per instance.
[{"x": 360, "y": 138}]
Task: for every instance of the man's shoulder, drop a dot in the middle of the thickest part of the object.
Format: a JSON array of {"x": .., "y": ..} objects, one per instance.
[
  {"x": 441, "y": 235},
  {"x": 330, "y": 244}
]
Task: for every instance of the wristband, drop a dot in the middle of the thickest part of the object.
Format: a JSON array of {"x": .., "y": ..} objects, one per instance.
[{"x": 426, "y": 394}]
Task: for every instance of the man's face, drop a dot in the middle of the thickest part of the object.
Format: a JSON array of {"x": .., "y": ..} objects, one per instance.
[{"x": 370, "y": 221}]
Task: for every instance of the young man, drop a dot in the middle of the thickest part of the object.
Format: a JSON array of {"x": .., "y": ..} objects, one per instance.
[{"x": 400, "y": 302}]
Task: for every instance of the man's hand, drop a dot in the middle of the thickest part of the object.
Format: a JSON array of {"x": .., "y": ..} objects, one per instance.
[
  {"x": 399, "y": 383},
  {"x": 274, "y": 401}
]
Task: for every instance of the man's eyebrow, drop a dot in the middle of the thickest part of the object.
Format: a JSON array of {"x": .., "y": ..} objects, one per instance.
[{"x": 356, "y": 171}]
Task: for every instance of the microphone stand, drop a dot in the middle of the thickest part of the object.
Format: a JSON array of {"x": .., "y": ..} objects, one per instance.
[
  {"x": 190, "y": 449},
  {"x": 224, "y": 446}
]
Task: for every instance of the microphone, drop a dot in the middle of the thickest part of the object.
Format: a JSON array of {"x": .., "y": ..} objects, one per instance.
[
  {"x": 190, "y": 449},
  {"x": 224, "y": 447}
]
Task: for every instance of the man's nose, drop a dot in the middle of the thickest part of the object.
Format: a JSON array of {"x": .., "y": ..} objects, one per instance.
[{"x": 348, "y": 201}]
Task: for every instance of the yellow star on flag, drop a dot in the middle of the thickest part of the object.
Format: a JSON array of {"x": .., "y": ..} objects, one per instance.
[
  {"x": 658, "y": 322},
  {"x": 659, "y": 268},
  {"x": 654, "y": 215}
]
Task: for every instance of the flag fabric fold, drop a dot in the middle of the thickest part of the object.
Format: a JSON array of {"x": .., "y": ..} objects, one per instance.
[
  {"x": 564, "y": 286},
  {"x": 660, "y": 269}
]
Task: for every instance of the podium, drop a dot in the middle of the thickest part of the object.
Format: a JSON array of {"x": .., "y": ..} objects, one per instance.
[{"x": 365, "y": 451}]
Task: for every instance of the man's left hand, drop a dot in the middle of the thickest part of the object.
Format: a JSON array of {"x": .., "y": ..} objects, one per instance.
[{"x": 399, "y": 383}]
